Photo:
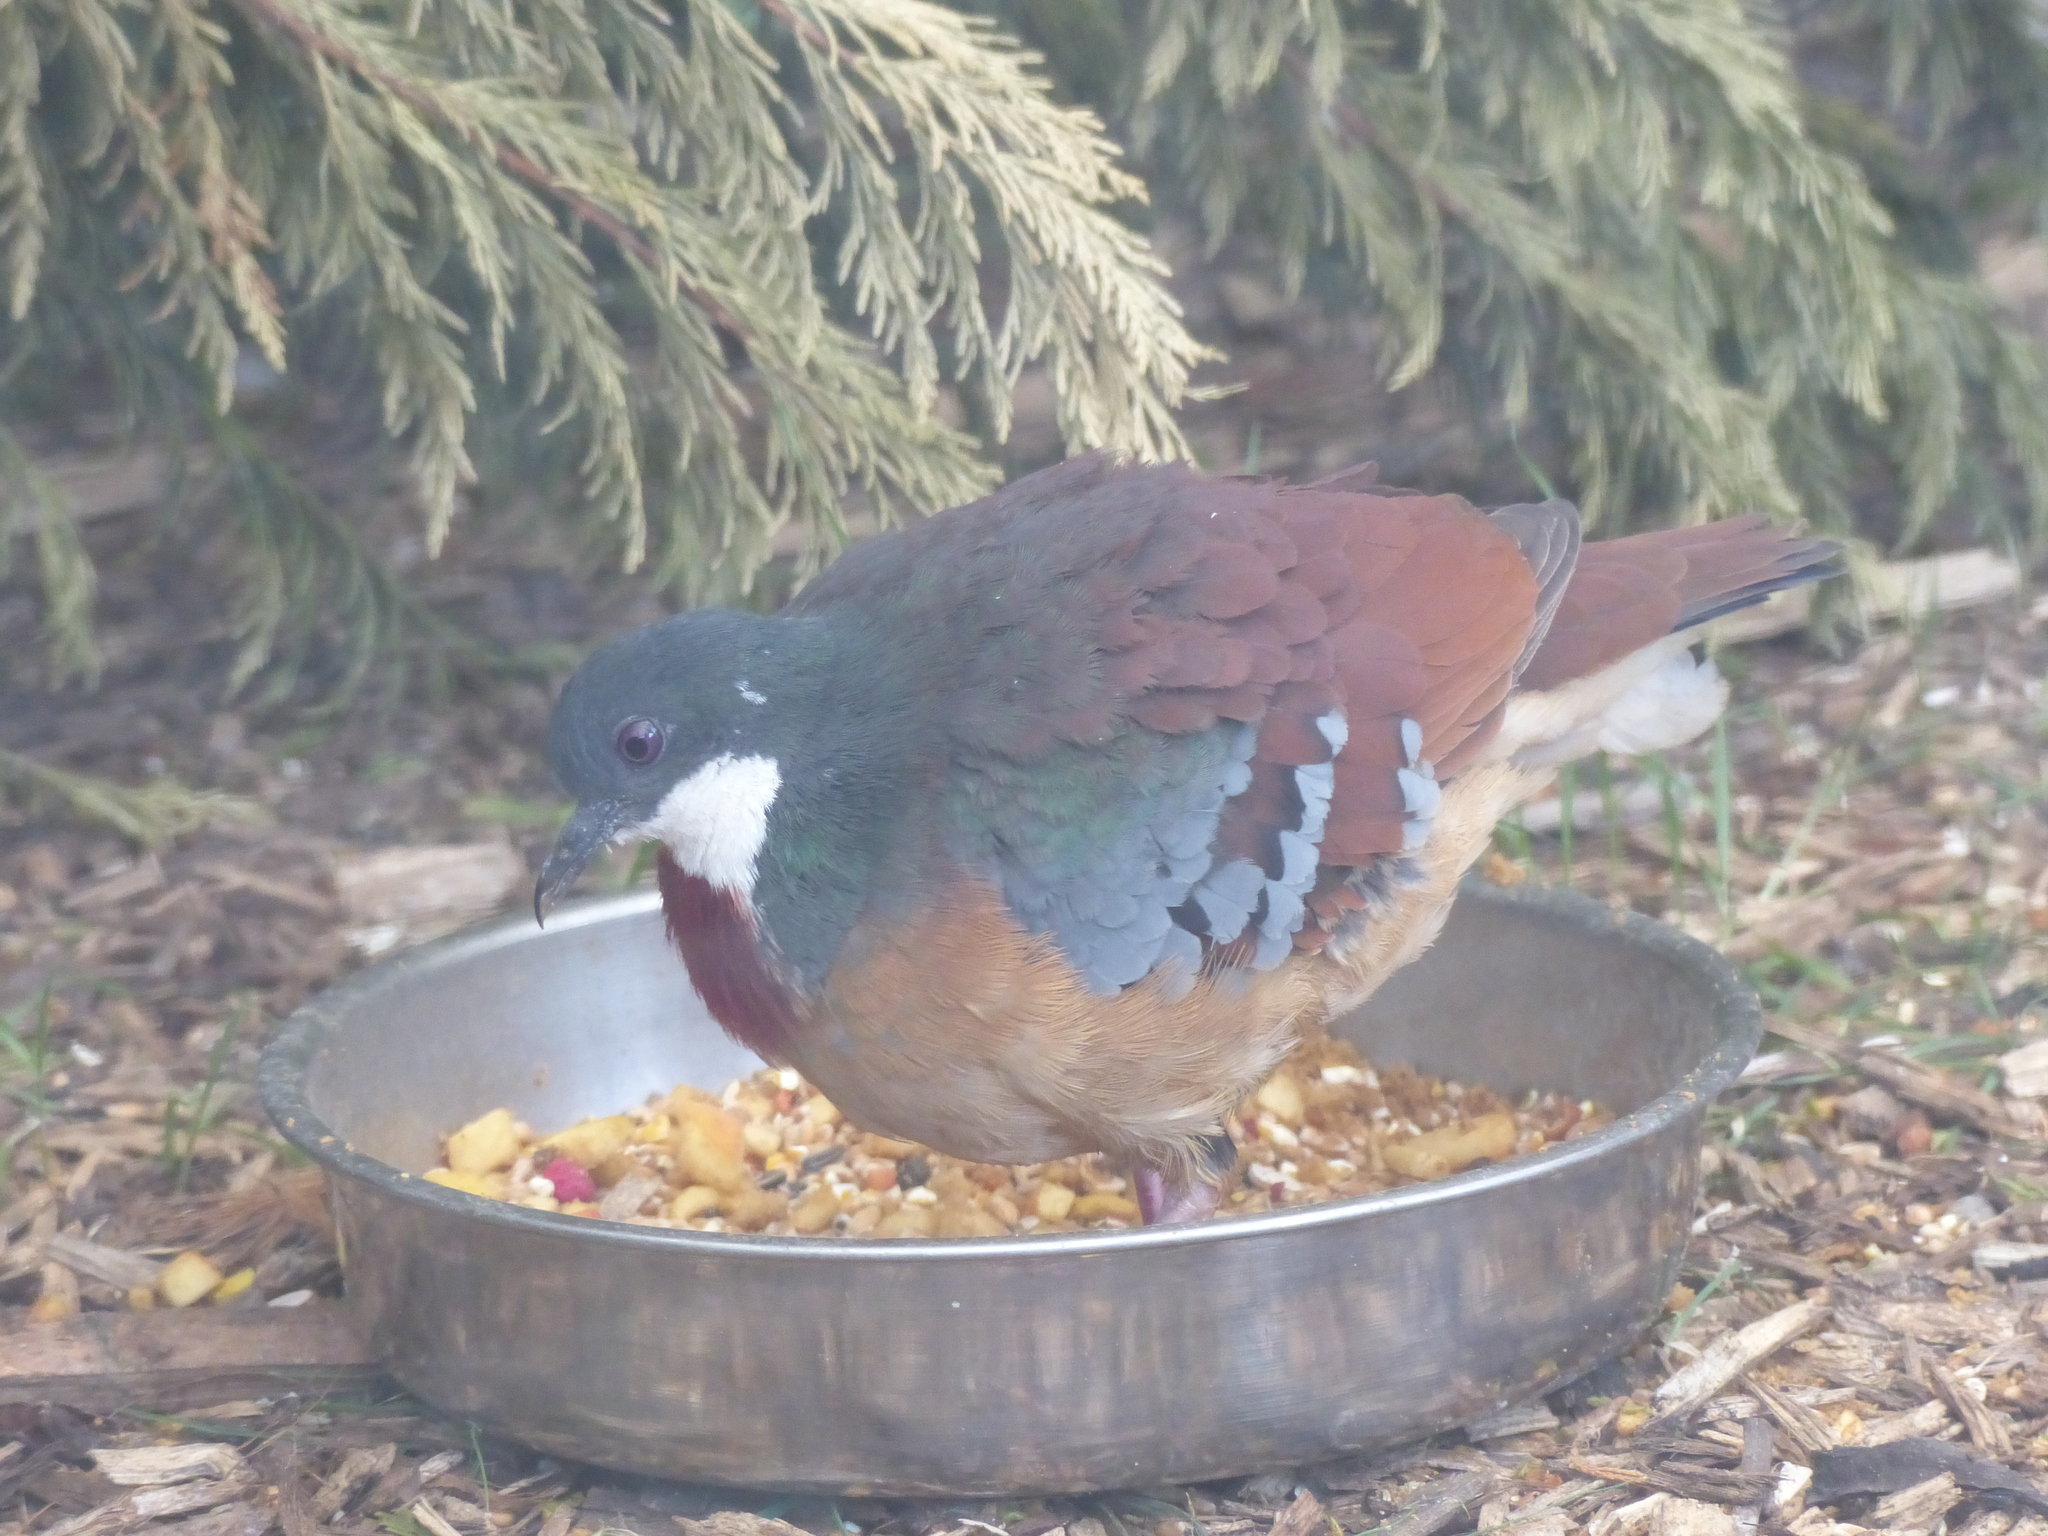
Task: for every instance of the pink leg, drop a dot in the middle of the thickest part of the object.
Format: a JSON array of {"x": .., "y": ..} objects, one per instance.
[{"x": 1161, "y": 1203}]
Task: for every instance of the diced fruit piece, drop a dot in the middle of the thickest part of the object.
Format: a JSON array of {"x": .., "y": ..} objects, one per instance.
[
  {"x": 886, "y": 1146},
  {"x": 961, "y": 1219},
  {"x": 697, "y": 1200},
  {"x": 1105, "y": 1203},
  {"x": 1054, "y": 1201},
  {"x": 760, "y": 1138},
  {"x": 188, "y": 1278},
  {"x": 750, "y": 1209},
  {"x": 815, "y": 1210},
  {"x": 57, "y": 1302},
  {"x": 571, "y": 1180},
  {"x": 234, "y": 1285},
  {"x": 1411, "y": 1161},
  {"x": 908, "y": 1221},
  {"x": 492, "y": 1186},
  {"x": 1446, "y": 1150},
  {"x": 707, "y": 1146},
  {"x": 488, "y": 1143},
  {"x": 1280, "y": 1097},
  {"x": 589, "y": 1142}
]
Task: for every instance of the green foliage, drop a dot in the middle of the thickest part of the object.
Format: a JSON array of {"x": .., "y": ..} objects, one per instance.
[
  {"x": 28, "y": 1059},
  {"x": 153, "y": 814},
  {"x": 300, "y": 562},
  {"x": 190, "y": 1115},
  {"x": 1702, "y": 256},
  {"x": 729, "y": 250},
  {"x": 65, "y": 569}
]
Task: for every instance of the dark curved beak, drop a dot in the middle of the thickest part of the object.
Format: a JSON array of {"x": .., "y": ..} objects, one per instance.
[{"x": 593, "y": 825}]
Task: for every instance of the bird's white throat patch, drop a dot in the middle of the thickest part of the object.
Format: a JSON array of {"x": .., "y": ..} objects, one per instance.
[{"x": 715, "y": 821}]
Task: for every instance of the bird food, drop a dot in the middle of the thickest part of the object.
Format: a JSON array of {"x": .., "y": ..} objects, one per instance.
[{"x": 770, "y": 1154}]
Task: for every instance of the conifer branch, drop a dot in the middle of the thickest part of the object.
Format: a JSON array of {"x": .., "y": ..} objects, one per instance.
[
  {"x": 580, "y": 204},
  {"x": 706, "y": 271}
]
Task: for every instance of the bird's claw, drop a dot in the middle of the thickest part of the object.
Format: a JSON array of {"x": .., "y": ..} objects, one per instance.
[{"x": 1161, "y": 1203}]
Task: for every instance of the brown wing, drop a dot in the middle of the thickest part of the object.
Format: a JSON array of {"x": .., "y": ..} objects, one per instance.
[
  {"x": 1439, "y": 605},
  {"x": 1445, "y": 603}
]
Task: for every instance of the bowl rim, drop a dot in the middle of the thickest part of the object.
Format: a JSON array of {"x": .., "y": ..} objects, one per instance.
[{"x": 281, "y": 1084}]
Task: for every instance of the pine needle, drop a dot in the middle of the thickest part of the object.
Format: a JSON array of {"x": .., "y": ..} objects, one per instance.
[{"x": 600, "y": 219}]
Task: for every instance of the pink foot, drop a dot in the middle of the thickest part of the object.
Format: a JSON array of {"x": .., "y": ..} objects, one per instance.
[{"x": 1161, "y": 1204}]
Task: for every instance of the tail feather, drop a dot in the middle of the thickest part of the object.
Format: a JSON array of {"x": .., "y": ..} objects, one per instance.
[
  {"x": 1753, "y": 569},
  {"x": 1626, "y": 594}
]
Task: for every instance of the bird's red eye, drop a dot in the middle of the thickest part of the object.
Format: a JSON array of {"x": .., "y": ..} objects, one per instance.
[{"x": 639, "y": 741}]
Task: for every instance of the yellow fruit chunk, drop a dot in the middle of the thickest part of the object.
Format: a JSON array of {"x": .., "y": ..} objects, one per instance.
[
  {"x": 486, "y": 1144},
  {"x": 707, "y": 1145},
  {"x": 821, "y": 1111},
  {"x": 872, "y": 1145},
  {"x": 1104, "y": 1203},
  {"x": 590, "y": 1142},
  {"x": 1054, "y": 1202},
  {"x": 815, "y": 1211},
  {"x": 950, "y": 1182},
  {"x": 1280, "y": 1097},
  {"x": 749, "y": 1209},
  {"x": 960, "y": 1219},
  {"x": 234, "y": 1285},
  {"x": 57, "y": 1302},
  {"x": 908, "y": 1221},
  {"x": 1436, "y": 1153},
  {"x": 697, "y": 1200},
  {"x": 492, "y": 1186},
  {"x": 188, "y": 1278}
]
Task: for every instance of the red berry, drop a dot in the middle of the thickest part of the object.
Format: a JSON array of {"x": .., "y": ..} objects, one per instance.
[{"x": 572, "y": 1180}]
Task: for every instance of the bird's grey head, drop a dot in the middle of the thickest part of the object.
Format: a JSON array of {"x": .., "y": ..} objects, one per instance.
[{"x": 665, "y": 734}]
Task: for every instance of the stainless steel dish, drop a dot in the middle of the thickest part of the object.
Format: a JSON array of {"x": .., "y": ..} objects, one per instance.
[{"x": 1004, "y": 1365}]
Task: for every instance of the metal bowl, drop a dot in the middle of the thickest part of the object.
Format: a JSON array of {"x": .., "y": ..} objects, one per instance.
[{"x": 1005, "y": 1365}]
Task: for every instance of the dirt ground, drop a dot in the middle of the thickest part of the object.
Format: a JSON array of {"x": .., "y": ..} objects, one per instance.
[{"x": 1872, "y": 1245}]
